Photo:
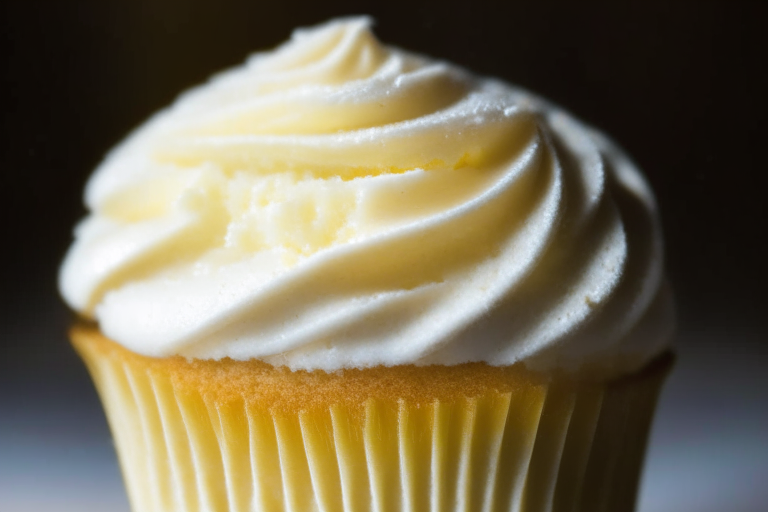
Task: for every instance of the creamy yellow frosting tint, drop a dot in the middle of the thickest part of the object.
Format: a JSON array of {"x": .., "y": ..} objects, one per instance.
[{"x": 337, "y": 203}]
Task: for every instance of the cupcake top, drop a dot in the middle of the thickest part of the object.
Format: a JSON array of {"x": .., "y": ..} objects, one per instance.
[{"x": 338, "y": 203}]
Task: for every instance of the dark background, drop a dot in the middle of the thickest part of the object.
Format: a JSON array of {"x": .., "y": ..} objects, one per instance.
[{"x": 681, "y": 86}]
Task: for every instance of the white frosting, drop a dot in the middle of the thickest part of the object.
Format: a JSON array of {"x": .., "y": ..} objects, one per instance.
[{"x": 337, "y": 203}]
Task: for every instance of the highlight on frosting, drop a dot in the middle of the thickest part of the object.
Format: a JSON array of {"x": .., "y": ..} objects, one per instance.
[{"x": 339, "y": 203}]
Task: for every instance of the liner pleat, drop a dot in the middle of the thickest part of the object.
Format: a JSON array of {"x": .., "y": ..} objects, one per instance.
[{"x": 542, "y": 448}]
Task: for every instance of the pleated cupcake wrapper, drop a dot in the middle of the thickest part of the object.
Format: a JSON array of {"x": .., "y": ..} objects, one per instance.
[{"x": 555, "y": 447}]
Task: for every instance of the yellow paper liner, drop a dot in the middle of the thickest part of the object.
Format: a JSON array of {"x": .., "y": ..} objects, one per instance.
[{"x": 537, "y": 445}]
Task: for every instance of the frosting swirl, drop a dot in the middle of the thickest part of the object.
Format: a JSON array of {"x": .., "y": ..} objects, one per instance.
[{"x": 338, "y": 203}]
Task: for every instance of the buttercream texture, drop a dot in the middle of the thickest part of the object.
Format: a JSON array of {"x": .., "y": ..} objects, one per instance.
[{"x": 338, "y": 203}]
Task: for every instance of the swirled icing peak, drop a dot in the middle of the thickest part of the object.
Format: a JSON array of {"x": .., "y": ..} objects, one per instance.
[{"x": 339, "y": 203}]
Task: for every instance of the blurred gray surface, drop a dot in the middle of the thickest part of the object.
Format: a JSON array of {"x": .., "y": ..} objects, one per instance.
[
  {"x": 709, "y": 447},
  {"x": 708, "y": 451}
]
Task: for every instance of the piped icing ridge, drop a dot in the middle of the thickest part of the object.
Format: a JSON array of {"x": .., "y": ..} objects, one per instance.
[{"x": 337, "y": 203}]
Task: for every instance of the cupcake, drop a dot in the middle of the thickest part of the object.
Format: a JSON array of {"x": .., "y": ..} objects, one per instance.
[{"x": 344, "y": 277}]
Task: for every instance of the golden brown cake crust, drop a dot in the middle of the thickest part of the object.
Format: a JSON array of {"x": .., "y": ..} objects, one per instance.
[{"x": 258, "y": 382}]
